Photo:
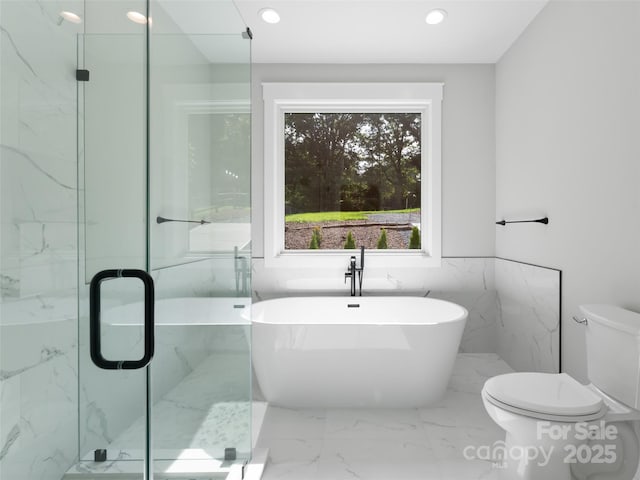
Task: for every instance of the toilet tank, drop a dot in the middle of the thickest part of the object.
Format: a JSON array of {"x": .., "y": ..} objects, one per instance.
[{"x": 613, "y": 351}]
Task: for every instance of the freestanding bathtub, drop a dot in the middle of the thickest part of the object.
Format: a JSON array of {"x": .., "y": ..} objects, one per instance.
[{"x": 391, "y": 352}]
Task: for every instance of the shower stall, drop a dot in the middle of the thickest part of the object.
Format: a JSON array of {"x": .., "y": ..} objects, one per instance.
[{"x": 125, "y": 239}]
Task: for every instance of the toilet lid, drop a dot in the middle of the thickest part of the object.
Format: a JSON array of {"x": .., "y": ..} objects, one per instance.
[{"x": 547, "y": 393}]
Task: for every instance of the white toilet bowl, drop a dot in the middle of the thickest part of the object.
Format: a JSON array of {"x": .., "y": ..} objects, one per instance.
[{"x": 559, "y": 429}]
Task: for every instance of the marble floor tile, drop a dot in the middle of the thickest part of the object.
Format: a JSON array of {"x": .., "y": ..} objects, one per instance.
[
  {"x": 291, "y": 423},
  {"x": 282, "y": 450},
  {"x": 208, "y": 411},
  {"x": 387, "y": 444},
  {"x": 367, "y": 424},
  {"x": 337, "y": 444}
]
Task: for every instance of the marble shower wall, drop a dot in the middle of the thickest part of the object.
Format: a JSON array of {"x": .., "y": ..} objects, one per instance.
[
  {"x": 38, "y": 246},
  {"x": 529, "y": 325}
]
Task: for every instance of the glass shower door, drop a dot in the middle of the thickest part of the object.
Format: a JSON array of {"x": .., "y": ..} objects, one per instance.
[
  {"x": 164, "y": 128},
  {"x": 113, "y": 197}
]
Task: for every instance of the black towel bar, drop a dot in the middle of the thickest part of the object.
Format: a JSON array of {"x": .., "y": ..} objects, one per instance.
[
  {"x": 544, "y": 220},
  {"x": 162, "y": 220}
]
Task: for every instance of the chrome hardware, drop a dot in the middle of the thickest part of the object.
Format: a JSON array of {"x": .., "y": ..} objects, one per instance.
[{"x": 580, "y": 321}]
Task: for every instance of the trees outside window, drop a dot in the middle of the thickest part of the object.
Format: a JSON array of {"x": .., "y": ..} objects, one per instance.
[{"x": 367, "y": 164}]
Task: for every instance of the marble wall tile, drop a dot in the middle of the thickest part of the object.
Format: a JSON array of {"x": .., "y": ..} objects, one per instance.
[
  {"x": 466, "y": 281},
  {"x": 455, "y": 274},
  {"x": 103, "y": 415},
  {"x": 479, "y": 334},
  {"x": 38, "y": 246},
  {"x": 41, "y": 421},
  {"x": 10, "y": 422},
  {"x": 26, "y": 345},
  {"x": 529, "y": 324}
]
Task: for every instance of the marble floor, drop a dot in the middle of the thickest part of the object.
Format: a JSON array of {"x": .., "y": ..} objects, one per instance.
[
  {"x": 313, "y": 444},
  {"x": 193, "y": 423},
  {"x": 370, "y": 444}
]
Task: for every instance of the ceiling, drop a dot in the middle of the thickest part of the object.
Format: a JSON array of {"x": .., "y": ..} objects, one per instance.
[{"x": 386, "y": 31}]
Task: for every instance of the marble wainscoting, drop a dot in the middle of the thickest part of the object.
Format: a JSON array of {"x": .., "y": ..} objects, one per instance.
[
  {"x": 466, "y": 281},
  {"x": 513, "y": 307},
  {"x": 528, "y": 328},
  {"x": 371, "y": 444},
  {"x": 470, "y": 282}
]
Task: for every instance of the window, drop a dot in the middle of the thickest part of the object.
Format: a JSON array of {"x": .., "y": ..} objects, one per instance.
[
  {"x": 352, "y": 179},
  {"x": 352, "y": 164},
  {"x": 218, "y": 176}
]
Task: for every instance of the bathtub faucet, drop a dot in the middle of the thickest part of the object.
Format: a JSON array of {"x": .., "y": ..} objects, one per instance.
[
  {"x": 351, "y": 273},
  {"x": 243, "y": 273}
]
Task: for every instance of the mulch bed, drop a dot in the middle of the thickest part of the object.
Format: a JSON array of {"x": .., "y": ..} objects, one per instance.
[{"x": 297, "y": 236}]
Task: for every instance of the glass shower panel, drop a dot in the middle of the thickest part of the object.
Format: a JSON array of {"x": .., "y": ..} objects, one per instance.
[
  {"x": 113, "y": 235},
  {"x": 200, "y": 247},
  {"x": 114, "y": 152},
  {"x": 164, "y": 129}
]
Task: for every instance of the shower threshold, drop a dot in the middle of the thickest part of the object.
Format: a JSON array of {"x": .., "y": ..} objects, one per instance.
[{"x": 187, "y": 464}]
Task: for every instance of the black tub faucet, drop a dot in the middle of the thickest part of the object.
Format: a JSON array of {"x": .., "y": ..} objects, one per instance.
[
  {"x": 351, "y": 273},
  {"x": 243, "y": 273}
]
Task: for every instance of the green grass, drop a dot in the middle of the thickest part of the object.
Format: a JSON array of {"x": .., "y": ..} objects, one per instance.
[{"x": 338, "y": 216}]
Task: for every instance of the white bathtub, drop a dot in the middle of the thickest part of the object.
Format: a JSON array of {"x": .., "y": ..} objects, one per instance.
[
  {"x": 183, "y": 311},
  {"x": 391, "y": 352}
]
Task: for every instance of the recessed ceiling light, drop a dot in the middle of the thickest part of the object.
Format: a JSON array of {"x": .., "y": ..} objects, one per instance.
[
  {"x": 269, "y": 15},
  {"x": 436, "y": 16},
  {"x": 71, "y": 17},
  {"x": 137, "y": 17}
]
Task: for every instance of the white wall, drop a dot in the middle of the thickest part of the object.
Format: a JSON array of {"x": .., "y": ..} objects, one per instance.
[
  {"x": 568, "y": 146},
  {"x": 468, "y": 169}
]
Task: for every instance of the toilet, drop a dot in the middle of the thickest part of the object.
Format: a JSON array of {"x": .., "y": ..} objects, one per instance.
[{"x": 559, "y": 429}]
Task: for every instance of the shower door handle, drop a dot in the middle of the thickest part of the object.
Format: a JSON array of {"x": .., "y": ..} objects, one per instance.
[{"x": 94, "y": 320}]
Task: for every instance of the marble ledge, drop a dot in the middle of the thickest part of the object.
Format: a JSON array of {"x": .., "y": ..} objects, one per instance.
[{"x": 38, "y": 309}]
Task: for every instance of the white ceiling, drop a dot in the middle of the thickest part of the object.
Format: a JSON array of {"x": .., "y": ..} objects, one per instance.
[{"x": 386, "y": 31}]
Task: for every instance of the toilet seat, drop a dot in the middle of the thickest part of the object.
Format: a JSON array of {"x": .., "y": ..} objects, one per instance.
[{"x": 546, "y": 396}]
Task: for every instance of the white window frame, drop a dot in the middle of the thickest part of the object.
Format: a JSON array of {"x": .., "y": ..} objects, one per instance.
[{"x": 281, "y": 98}]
